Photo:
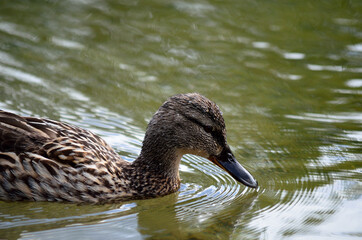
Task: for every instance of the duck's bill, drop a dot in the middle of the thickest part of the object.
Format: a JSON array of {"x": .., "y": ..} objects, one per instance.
[{"x": 227, "y": 161}]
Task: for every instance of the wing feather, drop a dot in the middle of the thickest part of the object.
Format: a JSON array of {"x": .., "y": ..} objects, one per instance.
[{"x": 53, "y": 140}]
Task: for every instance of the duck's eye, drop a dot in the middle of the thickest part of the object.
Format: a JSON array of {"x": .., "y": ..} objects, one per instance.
[{"x": 209, "y": 129}]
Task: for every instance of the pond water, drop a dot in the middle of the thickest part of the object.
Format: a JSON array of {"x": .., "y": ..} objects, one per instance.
[{"x": 286, "y": 74}]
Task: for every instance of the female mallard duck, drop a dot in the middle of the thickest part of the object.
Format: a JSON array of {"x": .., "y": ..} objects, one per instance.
[{"x": 46, "y": 160}]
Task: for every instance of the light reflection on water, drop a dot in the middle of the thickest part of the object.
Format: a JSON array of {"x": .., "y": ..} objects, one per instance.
[{"x": 289, "y": 86}]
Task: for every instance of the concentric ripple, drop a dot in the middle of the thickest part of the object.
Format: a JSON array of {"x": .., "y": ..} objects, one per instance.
[{"x": 213, "y": 189}]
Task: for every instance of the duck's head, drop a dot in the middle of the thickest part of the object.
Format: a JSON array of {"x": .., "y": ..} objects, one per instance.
[{"x": 191, "y": 124}]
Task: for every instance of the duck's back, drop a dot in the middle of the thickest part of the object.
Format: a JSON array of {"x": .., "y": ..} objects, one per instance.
[{"x": 46, "y": 160}]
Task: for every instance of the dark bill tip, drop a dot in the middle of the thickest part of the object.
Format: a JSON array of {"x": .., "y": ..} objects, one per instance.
[{"x": 227, "y": 161}]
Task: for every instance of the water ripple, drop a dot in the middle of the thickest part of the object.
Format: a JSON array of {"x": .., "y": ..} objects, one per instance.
[
  {"x": 20, "y": 75},
  {"x": 207, "y": 196},
  {"x": 16, "y": 30}
]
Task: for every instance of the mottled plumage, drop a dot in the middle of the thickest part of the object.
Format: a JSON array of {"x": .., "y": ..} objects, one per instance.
[{"x": 46, "y": 160}]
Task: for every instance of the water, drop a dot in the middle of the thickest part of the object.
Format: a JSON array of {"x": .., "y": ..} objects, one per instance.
[{"x": 286, "y": 74}]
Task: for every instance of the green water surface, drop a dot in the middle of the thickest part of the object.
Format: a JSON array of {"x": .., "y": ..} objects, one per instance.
[{"x": 286, "y": 74}]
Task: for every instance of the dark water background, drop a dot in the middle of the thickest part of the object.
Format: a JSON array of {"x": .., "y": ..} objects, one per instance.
[{"x": 286, "y": 74}]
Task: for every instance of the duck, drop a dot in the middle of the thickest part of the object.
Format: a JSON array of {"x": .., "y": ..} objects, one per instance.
[{"x": 47, "y": 160}]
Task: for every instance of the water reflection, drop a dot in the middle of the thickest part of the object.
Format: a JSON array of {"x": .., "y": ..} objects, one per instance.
[
  {"x": 354, "y": 83},
  {"x": 18, "y": 31},
  {"x": 19, "y": 75},
  {"x": 289, "y": 85},
  {"x": 153, "y": 221}
]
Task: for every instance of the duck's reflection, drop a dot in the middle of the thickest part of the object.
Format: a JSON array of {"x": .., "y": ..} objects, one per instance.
[
  {"x": 160, "y": 218},
  {"x": 184, "y": 221}
]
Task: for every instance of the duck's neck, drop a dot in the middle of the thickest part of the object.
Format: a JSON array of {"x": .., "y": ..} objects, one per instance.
[{"x": 156, "y": 171}]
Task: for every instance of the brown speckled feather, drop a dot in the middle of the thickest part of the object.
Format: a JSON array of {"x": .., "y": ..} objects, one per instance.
[{"x": 45, "y": 160}]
